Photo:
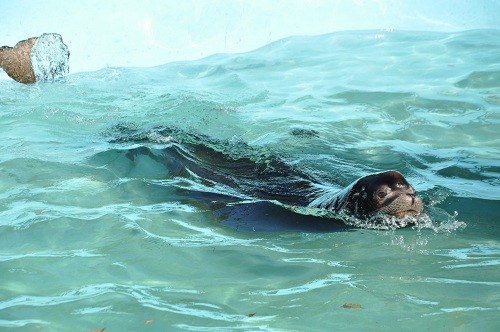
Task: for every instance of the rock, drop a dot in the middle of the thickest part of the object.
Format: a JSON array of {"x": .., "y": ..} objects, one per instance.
[
  {"x": 16, "y": 61},
  {"x": 36, "y": 59}
]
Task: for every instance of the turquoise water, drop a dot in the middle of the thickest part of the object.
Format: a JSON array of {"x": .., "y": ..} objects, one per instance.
[{"x": 91, "y": 238}]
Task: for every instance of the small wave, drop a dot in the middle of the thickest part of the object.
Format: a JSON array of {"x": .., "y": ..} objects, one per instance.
[
  {"x": 21, "y": 322},
  {"x": 253, "y": 327},
  {"x": 475, "y": 251},
  {"x": 480, "y": 80},
  {"x": 458, "y": 281},
  {"x": 332, "y": 279},
  {"x": 21, "y": 218},
  {"x": 476, "y": 256},
  {"x": 52, "y": 254},
  {"x": 95, "y": 310},
  {"x": 461, "y": 310},
  {"x": 493, "y": 262},
  {"x": 146, "y": 296},
  {"x": 204, "y": 237},
  {"x": 413, "y": 299},
  {"x": 315, "y": 261}
]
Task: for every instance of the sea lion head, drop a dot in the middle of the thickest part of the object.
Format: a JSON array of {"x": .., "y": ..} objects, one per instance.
[{"x": 387, "y": 192}]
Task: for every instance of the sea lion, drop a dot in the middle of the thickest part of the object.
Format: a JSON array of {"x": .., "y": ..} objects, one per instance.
[
  {"x": 384, "y": 193},
  {"x": 272, "y": 179},
  {"x": 258, "y": 174}
]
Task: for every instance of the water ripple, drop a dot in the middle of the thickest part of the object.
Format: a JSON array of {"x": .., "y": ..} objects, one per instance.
[
  {"x": 53, "y": 254},
  {"x": 145, "y": 296},
  {"x": 76, "y": 209},
  {"x": 203, "y": 236},
  {"x": 462, "y": 309},
  {"x": 478, "y": 255},
  {"x": 22, "y": 214},
  {"x": 21, "y": 322},
  {"x": 457, "y": 281},
  {"x": 332, "y": 279}
]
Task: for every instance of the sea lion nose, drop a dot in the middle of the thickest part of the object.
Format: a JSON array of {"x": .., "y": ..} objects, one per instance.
[
  {"x": 411, "y": 191},
  {"x": 412, "y": 194}
]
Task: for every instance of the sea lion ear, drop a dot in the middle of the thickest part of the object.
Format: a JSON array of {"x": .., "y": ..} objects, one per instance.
[
  {"x": 359, "y": 193},
  {"x": 352, "y": 200}
]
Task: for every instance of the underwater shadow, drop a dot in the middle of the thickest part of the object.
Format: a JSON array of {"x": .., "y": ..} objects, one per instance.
[{"x": 263, "y": 216}]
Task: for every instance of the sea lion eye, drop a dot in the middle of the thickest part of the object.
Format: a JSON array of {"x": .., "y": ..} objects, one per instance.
[{"x": 381, "y": 194}]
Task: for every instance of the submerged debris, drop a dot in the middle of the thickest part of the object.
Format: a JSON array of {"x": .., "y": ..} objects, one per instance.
[{"x": 351, "y": 306}]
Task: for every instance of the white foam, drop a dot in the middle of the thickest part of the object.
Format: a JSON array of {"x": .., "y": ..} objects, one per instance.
[{"x": 49, "y": 57}]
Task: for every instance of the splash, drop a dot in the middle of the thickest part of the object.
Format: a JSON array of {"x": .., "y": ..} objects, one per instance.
[
  {"x": 448, "y": 223},
  {"x": 434, "y": 219},
  {"x": 381, "y": 221},
  {"x": 49, "y": 57}
]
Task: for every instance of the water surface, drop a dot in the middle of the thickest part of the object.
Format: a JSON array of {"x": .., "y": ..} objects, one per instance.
[{"x": 91, "y": 239}]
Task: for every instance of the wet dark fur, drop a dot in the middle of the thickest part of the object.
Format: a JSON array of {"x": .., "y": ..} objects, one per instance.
[{"x": 258, "y": 174}]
